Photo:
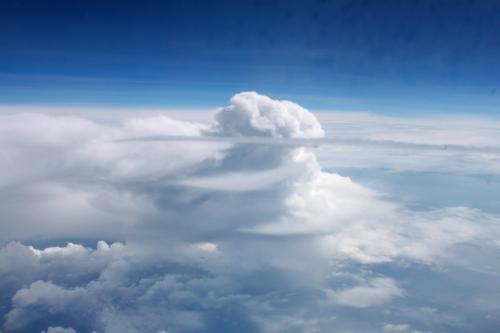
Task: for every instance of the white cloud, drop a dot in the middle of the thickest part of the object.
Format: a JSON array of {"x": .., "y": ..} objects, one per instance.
[
  {"x": 206, "y": 247},
  {"x": 396, "y": 328},
  {"x": 467, "y": 132},
  {"x": 251, "y": 114},
  {"x": 241, "y": 181},
  {"x": 203, "y": 231},
  {"x": 374, "y": 292},
  {"x": 59, "y": 329}
]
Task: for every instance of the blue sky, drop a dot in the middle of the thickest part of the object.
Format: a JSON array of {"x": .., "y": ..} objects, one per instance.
[{"x": 392, "y": 57}]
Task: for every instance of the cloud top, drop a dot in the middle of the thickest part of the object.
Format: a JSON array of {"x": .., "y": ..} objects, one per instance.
[{"x": 251, "y": 114}]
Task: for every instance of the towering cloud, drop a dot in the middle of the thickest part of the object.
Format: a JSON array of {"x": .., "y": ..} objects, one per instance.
[
  {"x": 251, "y": 114},
  {"x": 111, "y": 236}
]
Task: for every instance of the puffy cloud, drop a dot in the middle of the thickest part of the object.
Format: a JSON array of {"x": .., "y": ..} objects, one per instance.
[
  {"x": 251, "y": 114},
  {"x": 43, "y": 301},
  {"x": 209, "y": 236}
]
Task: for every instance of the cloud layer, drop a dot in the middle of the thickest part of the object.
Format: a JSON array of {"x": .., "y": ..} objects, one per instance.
[{"x": 219, "y": 236}]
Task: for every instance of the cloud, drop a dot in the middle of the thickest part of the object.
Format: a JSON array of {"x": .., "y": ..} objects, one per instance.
[
  {"x": 375, "y": 292},
  {"x": 314, "y": 142},
  {"x": 475, "y": 141},
  {"x": 396, "y": 328},
  {"x": 59, "y": 329},
  {"x": 241, "y": 181},
  {"x": 43, "y": 300},
  {"x": 251, "y": 114},
  {"x": 208, "y": 235}
]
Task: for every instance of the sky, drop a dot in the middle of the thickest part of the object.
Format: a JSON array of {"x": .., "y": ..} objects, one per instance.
[
  {"x": 253, "y": 167},
  {"x": 391, "y": 57}
]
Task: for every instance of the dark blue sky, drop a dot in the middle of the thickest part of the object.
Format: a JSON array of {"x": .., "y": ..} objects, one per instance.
[{"x": 398, "y": 57}]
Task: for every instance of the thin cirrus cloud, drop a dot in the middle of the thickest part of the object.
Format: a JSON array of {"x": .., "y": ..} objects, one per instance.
[{"x": 225, "y": 235}]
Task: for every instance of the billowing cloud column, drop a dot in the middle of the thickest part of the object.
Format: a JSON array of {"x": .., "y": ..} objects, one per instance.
[{"x": 213, "y": 236}]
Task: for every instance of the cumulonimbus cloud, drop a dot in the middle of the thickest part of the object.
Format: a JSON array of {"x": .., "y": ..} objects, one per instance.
[{"x": 198, "y": 231}]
